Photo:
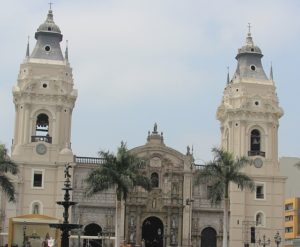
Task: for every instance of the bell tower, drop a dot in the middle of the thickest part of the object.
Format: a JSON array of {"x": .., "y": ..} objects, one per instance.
[
  {"x": 44, "y": 99},
  {"x": 249, "y": 115}
]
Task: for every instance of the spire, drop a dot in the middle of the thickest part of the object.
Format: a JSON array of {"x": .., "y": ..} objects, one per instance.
[
  {"x": 271, "y": 72},
  {"x": 67, "y": 51},
  {"x": 249, "y": 40},
  {"x": 228, "y": 75},
  {"x": 27, "y": 49}
]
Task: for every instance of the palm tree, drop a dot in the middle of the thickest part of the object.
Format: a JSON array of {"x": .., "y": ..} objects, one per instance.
[
  {"x": 219, "y": 173},
  {"x": 7, "y": 167},
  {"x": 122, "y": 172}
]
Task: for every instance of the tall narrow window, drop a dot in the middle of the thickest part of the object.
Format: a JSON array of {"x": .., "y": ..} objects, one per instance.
[
  {"x": 154, "y": 180},
  {"x": 42, "y": 125},
  {"x": 259, "y": 219},
  {"x": 260, "y": 191},
  {"x": 42, "y": 129},
  {"x": 256, "y": 144},
  {"x": 255, "y": 140},
  {"x": 36, "y": 208}
]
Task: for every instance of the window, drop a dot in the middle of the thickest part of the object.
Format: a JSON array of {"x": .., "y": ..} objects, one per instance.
[
  {"x": 154, "y": 180},
  {"x": 259, "y": 219},
  {"x": 255, "y": 143},
  {"x": 42, "y": 129},
  {"x": 37, "y": 181},
  {"x": 42, "y": 124},
  {"x": 255, "y": 140},
  {"x": 259, "y": 191},
  {"x": 289, "y": 206},
  {"x": 289, "y": 218},
  {"x": 288, "y": 229},
  {"x": 36, "y": 207}
]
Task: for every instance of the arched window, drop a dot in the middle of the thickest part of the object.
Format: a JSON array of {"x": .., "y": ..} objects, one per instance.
[
  {"x": 36, "y": 208},
  {"x": 42, "y": 125},
  {"x": 255, "y": 140},
  {"x": 154, "y": 180},
  {"x": 256, "y": 144},
  {"x": 259, "y": 219},
  {"x": 42, "y": 129}
]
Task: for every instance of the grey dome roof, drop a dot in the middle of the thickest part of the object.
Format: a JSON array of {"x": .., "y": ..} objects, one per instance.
[
  {"x": 48, "y": 37},
  {"x": 48, "y": 26},
  {"x": 249, "y": 64}
]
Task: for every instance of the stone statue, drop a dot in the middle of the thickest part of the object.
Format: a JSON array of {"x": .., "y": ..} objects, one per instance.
[
  {"x": 173, "y": 222},
  {"x": 188, "y": 150},
  {"x": 67, "y": 173},
  {"x": 155, "y": 128}
]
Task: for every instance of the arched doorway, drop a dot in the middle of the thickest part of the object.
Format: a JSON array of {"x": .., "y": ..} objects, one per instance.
[
  {"x": 208, "y": 237},
  {"x": 153, "y": 232},
  {"x": 92, "y": 230}
]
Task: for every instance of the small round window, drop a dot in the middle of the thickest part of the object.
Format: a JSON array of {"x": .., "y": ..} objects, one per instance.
[
  {"x": 47, "y": 48},
  {"x": 45, "y": 85},
  {"x": 252, "y": 67},
  {"x": 256, "y": 102}
]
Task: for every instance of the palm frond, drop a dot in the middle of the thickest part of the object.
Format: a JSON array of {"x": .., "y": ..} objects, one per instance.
[
  {"x": 7, "y": 187},
  {"x": 7, "y": 166},
  {"x": 243, "y": 181},
  {"x": 216, "y": 192},
  {"x": 121, "y": 171},
  {"x": 221, "y": 171}
]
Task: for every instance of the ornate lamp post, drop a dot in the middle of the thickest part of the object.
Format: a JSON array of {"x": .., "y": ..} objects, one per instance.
[
  {"x": 24, "y": 235},
  {"x": 264, "y": 242},
  {"x": 277, "y": 239}
]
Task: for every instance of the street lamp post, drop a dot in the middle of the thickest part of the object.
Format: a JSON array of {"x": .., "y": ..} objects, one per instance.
[
  {"x": 189, "y": 202},
  {"x": 24, "y": 235},
  {"x": 277, "y": 239},
  {"x": 264, "y": 242}
]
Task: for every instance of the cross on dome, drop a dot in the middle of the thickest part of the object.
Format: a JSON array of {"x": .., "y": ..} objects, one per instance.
[{"x": 50, "y": 5}]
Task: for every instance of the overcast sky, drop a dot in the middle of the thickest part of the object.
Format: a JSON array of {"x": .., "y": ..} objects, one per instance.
[{"x": 137, "y": 62}]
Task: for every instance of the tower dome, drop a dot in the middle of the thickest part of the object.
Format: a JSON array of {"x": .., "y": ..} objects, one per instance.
[
  {"x": 48, "y": 26},
  {"x": 48, "y": 36},
  {"x": 249, "y": 66}
]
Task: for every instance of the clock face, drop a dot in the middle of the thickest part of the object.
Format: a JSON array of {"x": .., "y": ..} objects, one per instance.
[
  {"x": 41, "y": 148},
  {"x": 258, "y": 163}
]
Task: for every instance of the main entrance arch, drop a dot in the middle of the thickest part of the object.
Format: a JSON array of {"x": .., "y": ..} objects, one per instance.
[
  {"x": 208, "y": 237},
  {"x": 92, "y": 230},
  {"x": 153, "y": 232}
]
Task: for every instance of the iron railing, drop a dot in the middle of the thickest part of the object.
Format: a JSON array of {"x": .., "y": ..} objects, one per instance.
[
  {"x": 88, "y": 160},
  {"x": 256, "y": 153},
  {"x": 47, "y": 139}
]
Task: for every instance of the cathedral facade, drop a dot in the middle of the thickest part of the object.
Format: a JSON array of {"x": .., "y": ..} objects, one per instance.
[{"x": 175, "y": 212}]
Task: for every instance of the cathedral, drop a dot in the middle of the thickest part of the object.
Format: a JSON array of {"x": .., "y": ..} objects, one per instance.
[{"x": 175, "y": 212}]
